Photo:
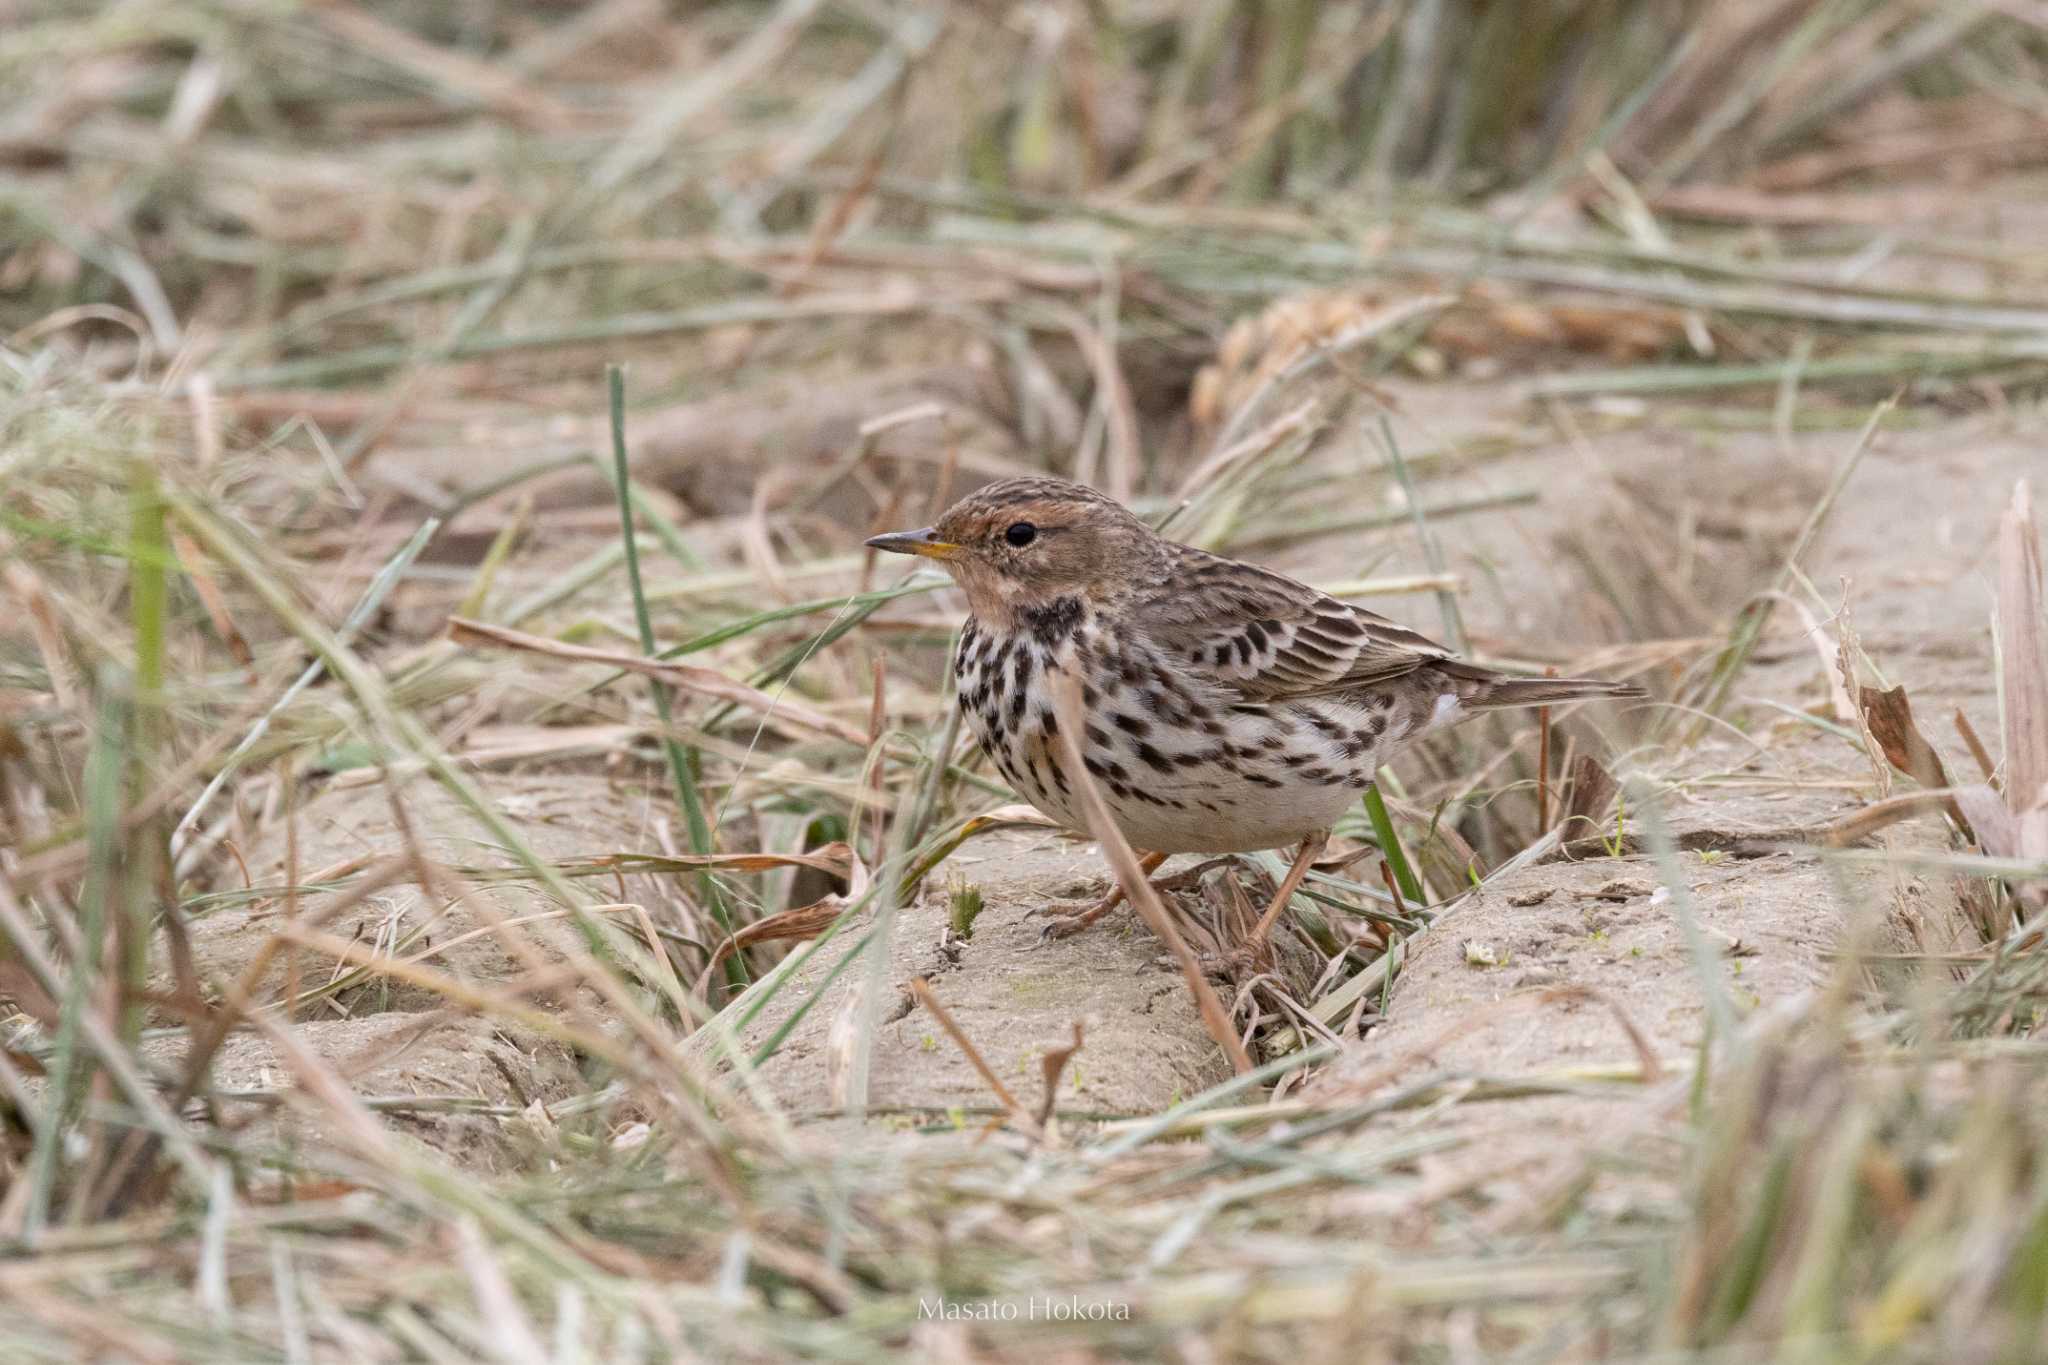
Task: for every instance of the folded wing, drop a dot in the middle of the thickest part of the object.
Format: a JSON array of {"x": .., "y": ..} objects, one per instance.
[{"x": 1272, "y": 639}]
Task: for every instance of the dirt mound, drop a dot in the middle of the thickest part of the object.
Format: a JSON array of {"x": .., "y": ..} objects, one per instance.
[{"x": 1015, "y": 997}]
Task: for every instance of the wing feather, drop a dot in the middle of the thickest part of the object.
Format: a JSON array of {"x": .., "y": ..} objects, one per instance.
[{"x": 1271, "y": 639}]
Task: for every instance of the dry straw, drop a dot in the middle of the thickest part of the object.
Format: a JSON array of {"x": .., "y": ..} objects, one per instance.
[{"x": 315, "y": 506}]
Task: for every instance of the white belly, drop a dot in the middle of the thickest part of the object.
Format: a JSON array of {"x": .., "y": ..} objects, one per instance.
[
  {"x": 1258, "y": 819},
  {"x": 1184, "y": 765}
]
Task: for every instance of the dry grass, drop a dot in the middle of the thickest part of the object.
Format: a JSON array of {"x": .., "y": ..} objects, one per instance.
[{"x": 305, "y": 316}]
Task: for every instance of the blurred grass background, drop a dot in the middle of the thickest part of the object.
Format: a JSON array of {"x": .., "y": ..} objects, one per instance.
[{"x": 305, "y": 316}]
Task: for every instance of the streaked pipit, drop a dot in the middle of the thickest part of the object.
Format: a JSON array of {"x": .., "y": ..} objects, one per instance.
[{"x": 1228, "y": 708}]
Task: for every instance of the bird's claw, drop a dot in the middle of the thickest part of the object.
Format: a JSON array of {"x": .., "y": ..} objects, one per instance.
[{"x": 1059, "y": 925}]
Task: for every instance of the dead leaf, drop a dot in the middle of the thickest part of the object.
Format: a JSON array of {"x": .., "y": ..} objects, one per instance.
[
  {"x": 806, "y": 921},
  {"x": 19, "y": 985},
  {"x": 1051, "y": 1065},
  {"x": 1890, "y": 717},
  {"x": 1592, "y": 790}
]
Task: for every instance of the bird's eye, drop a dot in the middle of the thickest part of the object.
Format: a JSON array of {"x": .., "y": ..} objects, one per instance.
[{"x": 1021, "y": 533}]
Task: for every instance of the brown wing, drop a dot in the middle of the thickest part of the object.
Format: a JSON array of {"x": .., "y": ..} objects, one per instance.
[{"x": 1270, "y": 638}]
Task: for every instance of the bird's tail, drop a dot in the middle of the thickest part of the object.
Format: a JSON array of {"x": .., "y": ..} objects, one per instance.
[{"x": 1482, "y": 689}]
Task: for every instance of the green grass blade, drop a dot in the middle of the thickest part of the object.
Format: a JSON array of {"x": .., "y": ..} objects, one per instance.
[
  {"x": 145, "y": 846},
  {"x": 682, "y": 762},
  {"x": 1390, "y": 846}
]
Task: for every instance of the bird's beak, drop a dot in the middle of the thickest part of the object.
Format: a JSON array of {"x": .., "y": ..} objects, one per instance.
[{"x": 925, "y": 542}]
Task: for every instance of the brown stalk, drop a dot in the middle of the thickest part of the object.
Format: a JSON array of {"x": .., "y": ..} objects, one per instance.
[
  {"x": 921, "y": 988},
  {"x": 1051, "y": 1065},
  {"x": 1393, "y": 887},
  {"x": 1066, "y": 692},
  {"x": 1860, "y": 824},
  {"x": 1976, "y": 746},
  {"x": 1543, "y": 762},
  {"x": 782, "y": 713},
  {"x": 1890, "y": 718},
  {"x": 193, "y": 562}
]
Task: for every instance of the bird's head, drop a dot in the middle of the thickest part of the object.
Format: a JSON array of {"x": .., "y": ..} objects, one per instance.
[{"x": 1021, "y": 543}]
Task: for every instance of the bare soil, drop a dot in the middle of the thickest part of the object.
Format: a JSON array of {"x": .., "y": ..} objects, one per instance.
[
  {"x": 399, "y": 1044},
  {"x": 1532, "y": 976},
  {"x": 1574, "y": 945},
  {"x": 1015, "y": 995}
]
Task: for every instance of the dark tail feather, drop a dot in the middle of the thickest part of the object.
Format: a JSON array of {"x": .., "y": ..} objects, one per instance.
[{"x": 1482, "y": 689}]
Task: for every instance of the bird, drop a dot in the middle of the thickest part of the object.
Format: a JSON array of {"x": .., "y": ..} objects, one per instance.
[{"x": 1226, "y": 708}]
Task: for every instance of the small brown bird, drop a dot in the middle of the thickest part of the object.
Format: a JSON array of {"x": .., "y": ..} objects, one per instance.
[{"x": 1228, "y": 708}]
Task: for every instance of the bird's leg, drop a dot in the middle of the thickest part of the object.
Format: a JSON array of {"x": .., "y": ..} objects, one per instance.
[
  {"x": 1306, "y": 852},
  {"x": 1066, "y": 925}
]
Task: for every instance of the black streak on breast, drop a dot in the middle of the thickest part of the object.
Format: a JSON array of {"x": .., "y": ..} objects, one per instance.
[{"x": 1054, "y": 621}]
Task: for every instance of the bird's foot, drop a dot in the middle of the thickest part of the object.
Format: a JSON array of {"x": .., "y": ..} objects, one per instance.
[
  {"x": 1065, "y": 922},
  {"x": 1064, "y": 919}
]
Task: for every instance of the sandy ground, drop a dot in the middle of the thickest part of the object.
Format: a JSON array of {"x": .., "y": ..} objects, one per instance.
[
  {"x": 1014, "y": 995},
  {"x": 1574, "y": 946},
  {"x": 1544, "y": 973}
]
